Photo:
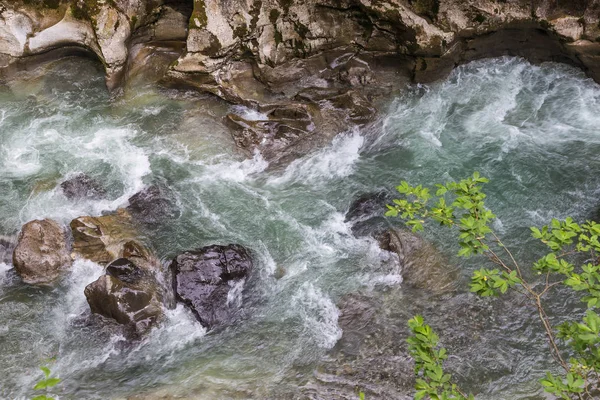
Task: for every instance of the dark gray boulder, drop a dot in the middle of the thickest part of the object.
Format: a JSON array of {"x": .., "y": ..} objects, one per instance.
[
  {"x": 203, "y": 279},
  {"x": 366, "y": 213},
  {"x": 153, "y": 205},
  {"x": 82, "y": 186}
]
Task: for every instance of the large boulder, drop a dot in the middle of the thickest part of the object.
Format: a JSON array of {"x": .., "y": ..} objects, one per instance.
[
  {"x": 42, "y": 252},
  {"x": 128, "y": 294},
  {"x": 423, "y": 265},
  {"x": 81, "y": 186},
  {"x": 203, "y": 279}
]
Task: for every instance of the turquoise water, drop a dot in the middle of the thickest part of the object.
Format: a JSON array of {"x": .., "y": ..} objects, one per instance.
[{"x": 531, "y": 129}]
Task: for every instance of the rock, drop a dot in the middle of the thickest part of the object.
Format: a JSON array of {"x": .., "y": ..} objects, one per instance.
[
  {"x": 108, "y": 237},
  {"x": 41, "y": 253},
  {"x": 153, "y": 205},
  {"x": 366, "y": 213},
  {"x": 128, "y": 294},
  {"x": 423, "y": 266},
  {"x": 283, "y": 129},
  {"x": 204, "y": 278},
  {"x": 81, "y": 186},
  {"x": 7, "y": 246}
]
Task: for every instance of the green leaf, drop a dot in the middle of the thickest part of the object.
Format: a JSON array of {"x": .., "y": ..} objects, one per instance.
[
  {"x": 46, "y": 371},
  {"x": 51, "y": 382}
]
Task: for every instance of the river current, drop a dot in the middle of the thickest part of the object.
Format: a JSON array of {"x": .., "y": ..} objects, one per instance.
[{"x": 533, "y": 130}]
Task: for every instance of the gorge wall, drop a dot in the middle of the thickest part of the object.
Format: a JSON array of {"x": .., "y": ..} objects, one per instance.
[{"x": 312, "y": 66}]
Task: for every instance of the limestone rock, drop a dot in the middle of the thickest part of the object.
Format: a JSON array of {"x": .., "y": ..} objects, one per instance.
[{"x": 41, "y": 253}]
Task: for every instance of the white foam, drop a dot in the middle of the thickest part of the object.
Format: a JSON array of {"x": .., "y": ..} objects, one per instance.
[
  {"x": 333, "y": 162},
  {"x": 249, "y": 114},
  {"x": 4, "y": 268},
  {"x": 319, "y": 315},
  {"x": 235, "y": 171}
]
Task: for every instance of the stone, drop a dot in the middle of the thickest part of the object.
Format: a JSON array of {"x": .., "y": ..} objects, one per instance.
[
  {"x": 366, "y": 213},
  {"x": 128, "y": 294},
  {"x": 105, "y": 238},
  {"x": 153, "y": 205},
  {"x": 423, "y": 266},
  {"x": 203, "y": 279},
  {"x": 42, "y": 252},
  {"x": 82, "y": 186},
  {"x": 7, "y": 246}
]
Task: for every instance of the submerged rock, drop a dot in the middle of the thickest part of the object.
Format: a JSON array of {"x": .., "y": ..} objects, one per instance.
[
  {"x": 129, "y": 294},
  {"x": 153, "y": 205},
  {"x": 7, "y": 246},
  {"x": 41, "y": 253},
  {"x": 366, "y": 213},
  {"x": 423, "y": 266},
  {"x": 81, "y": 186},
  {"x": 204, "y": 278}
]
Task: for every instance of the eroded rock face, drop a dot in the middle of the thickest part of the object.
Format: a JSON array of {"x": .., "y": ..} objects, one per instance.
[
  {"x": 423, "y": 266},
  {"x": 81, "y": 186},
  {"x": 129, "y": 294},
  {"x": 273, "y": 53},
  {"x": 41, "y": 253},
  {"x": 204, "y": 278}
]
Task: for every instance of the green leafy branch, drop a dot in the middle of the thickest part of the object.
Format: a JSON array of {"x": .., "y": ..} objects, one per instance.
[
  {"x": 429, "y": 358},
  {"x": 461, "y": 205},
  {"x": 45, "y": 384}
]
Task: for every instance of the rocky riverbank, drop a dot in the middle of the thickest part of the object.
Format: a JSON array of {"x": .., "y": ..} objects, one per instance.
[{"x": 311, "y": 69}]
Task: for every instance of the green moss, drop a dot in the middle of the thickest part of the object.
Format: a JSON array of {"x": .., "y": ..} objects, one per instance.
[
  {"x": 301, "y": 30},
  {"x": 545, "y": 24},
  {"x": 285, "y": 5},
  {"x": 133, "y": 22},
  {"x": 85, "y": 9},
  {"x": 479, "y": 18},
  {"x": 241, "y": 31},
  {"x": 198, "y": 19},
  {"x": 429, "y": 8},
  {"x": 255, "y": 12},
  {"x": 278, "y": 37},
  {"x": 274, "y": 16},
  {"x": 54, "y": 4}
]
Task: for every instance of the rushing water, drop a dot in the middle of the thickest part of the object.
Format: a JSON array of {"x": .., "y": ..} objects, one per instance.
[{"x": 531, "y": 129}]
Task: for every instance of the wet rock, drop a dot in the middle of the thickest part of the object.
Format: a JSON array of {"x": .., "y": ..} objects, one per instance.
[
  {"x": 106, "y": 238},
  {"x": 128, "y": 294},
  {"x": 366, "y": 213},
  {"x": 153, "y": 205},
  {"x": 284, "y": 127},
  {"x": 7, "y": 246},
  {"x": 204, "y": 278},
  {"x": 41, "y": 253},
  {"x": 81, "y": 186},
  {"x": 423, "y": 266}
]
